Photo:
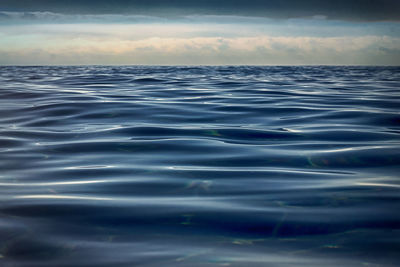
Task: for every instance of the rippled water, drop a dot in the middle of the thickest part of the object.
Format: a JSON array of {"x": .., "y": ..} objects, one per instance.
[{"x": 199, "y": 166}]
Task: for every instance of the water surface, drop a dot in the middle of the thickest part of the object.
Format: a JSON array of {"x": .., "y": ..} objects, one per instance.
[{"x": 199, "y": 166}]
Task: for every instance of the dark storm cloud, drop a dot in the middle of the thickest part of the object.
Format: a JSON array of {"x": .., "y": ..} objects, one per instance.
[{"x": 353, "y": 10}]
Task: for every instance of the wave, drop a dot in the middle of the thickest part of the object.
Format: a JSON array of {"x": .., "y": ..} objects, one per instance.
[{"x": 199, "y": 166}]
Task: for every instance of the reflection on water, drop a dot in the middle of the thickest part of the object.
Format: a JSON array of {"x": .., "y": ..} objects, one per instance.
[{"x": 199, "y": 166}]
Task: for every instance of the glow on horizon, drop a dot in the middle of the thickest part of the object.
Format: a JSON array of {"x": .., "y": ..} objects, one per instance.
[{"x": 197, "y": 40}]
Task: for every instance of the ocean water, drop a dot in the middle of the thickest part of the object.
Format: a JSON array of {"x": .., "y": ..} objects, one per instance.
[{"x": 199, "y": 166}]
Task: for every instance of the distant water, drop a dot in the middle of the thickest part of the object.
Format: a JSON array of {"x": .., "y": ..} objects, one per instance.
[{"x": 199, "y": 166}]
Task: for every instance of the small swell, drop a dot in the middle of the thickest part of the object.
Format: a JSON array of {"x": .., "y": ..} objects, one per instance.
[{"x": 199, "y": 166}]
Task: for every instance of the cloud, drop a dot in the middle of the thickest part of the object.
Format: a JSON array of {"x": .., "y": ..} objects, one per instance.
[
  {"x": 44, "y": 37},
  {"x": 353, "y": 10},
  {"x": 40, "y": 17},
  {"x": 262, "y": 50},
  {"x": 194, "y": 25}
]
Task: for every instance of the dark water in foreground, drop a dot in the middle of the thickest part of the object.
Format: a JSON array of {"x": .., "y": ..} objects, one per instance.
[{"x": 199, "y": 166}]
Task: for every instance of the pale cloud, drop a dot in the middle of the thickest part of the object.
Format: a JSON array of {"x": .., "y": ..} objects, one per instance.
[
  {"x": 214, "y": 50},
  {"x": 316, "y": 25},
  {"x": 45, "y": 17},
  {"x": 183, "y": 43}
]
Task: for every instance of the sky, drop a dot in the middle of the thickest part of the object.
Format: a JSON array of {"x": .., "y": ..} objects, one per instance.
[{"x": 208, "y": 32}]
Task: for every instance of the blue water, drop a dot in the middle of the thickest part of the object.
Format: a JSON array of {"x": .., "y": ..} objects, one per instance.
[{"x": 199, "y": 166}]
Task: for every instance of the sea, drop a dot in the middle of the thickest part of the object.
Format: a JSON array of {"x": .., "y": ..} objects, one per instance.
[{"x": 199, "y": 166}]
